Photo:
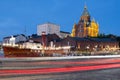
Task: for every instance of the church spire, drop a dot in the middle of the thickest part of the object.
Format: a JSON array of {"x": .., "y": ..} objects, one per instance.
[
  {"x": 85, "y": 6},
  {"x": 85, "y": 11}
]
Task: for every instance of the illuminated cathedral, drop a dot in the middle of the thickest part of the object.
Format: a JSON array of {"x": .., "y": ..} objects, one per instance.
[{"x": 86, "y": 26}]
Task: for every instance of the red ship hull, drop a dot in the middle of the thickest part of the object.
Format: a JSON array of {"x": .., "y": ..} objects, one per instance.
[
  {"x": 24, "y": 52},
  {"x": 17, "y": 52}
]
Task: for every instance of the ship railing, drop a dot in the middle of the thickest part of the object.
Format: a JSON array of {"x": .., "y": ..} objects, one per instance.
[
  {"x": 8, "y": 44},
  {"x": 46, "y": 48},
  {"x": 59, "y": 48},
  {"x": 30, "y": 45}
]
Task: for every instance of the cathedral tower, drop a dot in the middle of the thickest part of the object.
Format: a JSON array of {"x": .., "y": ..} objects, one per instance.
[{"x": 85, "y": 27}]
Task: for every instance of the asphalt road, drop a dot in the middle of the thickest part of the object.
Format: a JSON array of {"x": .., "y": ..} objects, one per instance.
[{"x": 70, "y": 69}]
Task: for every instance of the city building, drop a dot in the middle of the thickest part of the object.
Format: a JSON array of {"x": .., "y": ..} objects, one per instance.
[
  {"x": 49, "y": 38},
  {"x": 64, "y": 34},
  {"x": 86, "y": 26},
  {"x": 89, "y": 44},
  {"x": 48, "y": 28},
  {"x": 79, "y": 44},
  {"x": 15, "y": 38}
]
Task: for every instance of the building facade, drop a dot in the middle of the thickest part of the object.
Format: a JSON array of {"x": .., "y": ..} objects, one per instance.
[
  {"x": 80, "y": 44},
  {"x": 85, "y": 27},
  {"x": 48, "y": 28},
  {"x": 89, "y": 44},
  {"x": 15, "y": 39},
  {"x": 64, "y": 34}
]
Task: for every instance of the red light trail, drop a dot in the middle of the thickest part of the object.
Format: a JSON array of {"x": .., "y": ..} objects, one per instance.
[
  {"x": 101, "y": 64},
  {"x": 57, "y": 70}
]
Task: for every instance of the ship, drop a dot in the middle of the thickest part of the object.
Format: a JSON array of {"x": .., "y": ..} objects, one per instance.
[{"x": 29, "y": 49}]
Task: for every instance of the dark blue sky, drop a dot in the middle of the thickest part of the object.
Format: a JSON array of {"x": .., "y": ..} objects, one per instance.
[{"x": 15, "y": 15}]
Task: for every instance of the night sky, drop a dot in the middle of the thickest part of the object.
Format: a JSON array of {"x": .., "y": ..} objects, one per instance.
[{"x": 16, "y": 16}]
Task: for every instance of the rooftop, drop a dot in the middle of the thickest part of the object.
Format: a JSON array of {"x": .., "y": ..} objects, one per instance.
[{"x": 65, "y": 32}]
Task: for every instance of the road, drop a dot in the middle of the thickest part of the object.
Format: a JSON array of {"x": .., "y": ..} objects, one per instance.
[{"x": 67, "y": 69}]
